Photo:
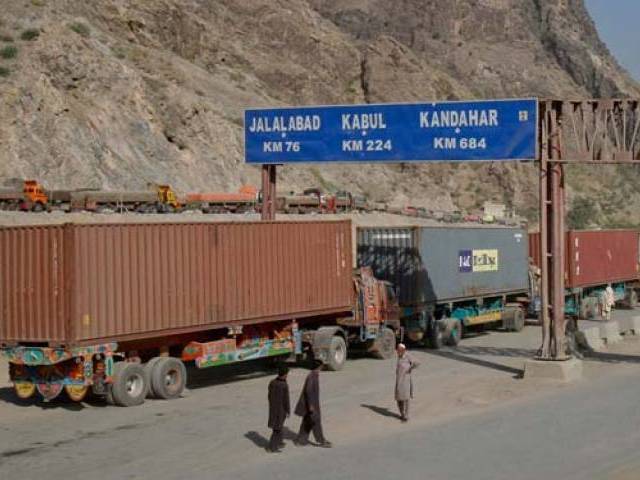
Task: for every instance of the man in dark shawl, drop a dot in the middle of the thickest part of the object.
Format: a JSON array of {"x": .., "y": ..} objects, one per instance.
[
  {"x": 308, "y": 408},
  {"x": 279, "y": 408}
]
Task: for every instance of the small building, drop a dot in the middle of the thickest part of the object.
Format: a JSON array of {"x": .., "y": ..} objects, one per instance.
[{"x": 495, "y": 210}]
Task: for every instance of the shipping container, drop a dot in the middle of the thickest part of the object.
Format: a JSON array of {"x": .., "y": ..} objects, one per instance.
[
  {"x": 594, "y": 260},
  {"x": 221, "y": 197},
  {"x": 450, "y": 278},
  {"x": 436, "y": 264},
  {"x": 79, "y": 284},
  {"x": 596, "y": 257}
]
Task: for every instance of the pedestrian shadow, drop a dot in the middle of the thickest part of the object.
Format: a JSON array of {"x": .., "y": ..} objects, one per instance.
[
  {"x": 262, "y": 442},
  {"x": 385, "y": 412},
  {"x": 454, "y": 355},
  {"x": 258, "y": 439}
]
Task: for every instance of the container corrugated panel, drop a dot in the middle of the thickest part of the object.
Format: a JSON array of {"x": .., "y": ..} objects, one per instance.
[
  {"x": 595, "y": 257},
  {"x": 33, "y": 298},
  {"x": 602, "y": 256},
  {"x": 131, "y": 281},
  {"x": 534, "y": 248},
  {"x": 437, "y": 264}
]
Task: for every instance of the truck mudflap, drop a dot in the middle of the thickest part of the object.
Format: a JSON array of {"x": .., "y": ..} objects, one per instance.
[{"x": 49, "y": 370}]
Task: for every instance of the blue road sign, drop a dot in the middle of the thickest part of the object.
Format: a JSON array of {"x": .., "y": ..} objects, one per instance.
[{"x": 442, "y": 131}]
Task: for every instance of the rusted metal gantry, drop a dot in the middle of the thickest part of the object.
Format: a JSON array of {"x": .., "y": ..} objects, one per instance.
[{"x": 584, "y": 132}]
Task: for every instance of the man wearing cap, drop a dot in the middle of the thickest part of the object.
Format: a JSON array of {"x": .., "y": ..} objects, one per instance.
[
  {"x": 308, "y": 408},
  {"x": 279, "y": 408},
  {"x": 404, "y": 384}
]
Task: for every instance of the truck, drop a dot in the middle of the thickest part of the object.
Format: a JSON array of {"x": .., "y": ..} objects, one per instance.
[
  {"x": 157, "y": 199},
  {"x": 244, "y": 201},
  {"x": 120, "y": 309},
  {"x": 594, "y": 260},
  {"x": 31, "y": 197},
  {"x": 312, "y": 201},
  {"x": 450, "y": 279}
]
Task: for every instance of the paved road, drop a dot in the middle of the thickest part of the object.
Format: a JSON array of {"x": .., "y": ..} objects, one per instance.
[
  {"x": 590, "y": 432},
  {"x": 473, "y": 418}
]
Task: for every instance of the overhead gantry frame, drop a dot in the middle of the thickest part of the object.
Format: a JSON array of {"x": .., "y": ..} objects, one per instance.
[{"x": 589, "y": 132}]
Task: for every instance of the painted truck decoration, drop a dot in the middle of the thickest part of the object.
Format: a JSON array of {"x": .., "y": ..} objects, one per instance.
[{"x": 120, "y": 308}]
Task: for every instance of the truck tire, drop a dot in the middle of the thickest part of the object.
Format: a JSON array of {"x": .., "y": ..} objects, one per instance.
[
  {"x": 434, "y": 338},
  {"x": 631, "y": 299},
  {"x": 168, "y": 378},
  {"x": 513, "y": 319},
  {"x": 385, "y": 345},
  {"x": 518, "y": 320},
  {"x": 337, "y": 355},
  {"x": 130, "y": 384},
  {"x": 148, "y": 368},
  {"x": 583, "y": 309},
  {"x": 454, "y": 332}
]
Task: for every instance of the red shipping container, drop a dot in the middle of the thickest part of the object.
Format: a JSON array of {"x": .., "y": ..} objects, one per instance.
[
  {"x": 79, "y": 284},
  {"x": 596, "y": 257}
]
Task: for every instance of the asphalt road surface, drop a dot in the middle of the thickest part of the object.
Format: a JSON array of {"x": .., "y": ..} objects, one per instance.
[{"x": 473, "y": 417}]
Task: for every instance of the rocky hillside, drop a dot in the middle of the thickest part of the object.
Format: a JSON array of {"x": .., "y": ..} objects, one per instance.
[{"x": 118, "y": 93}]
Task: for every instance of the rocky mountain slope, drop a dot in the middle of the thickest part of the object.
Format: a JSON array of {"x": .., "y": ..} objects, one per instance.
[{"x": 118, "y": 93}]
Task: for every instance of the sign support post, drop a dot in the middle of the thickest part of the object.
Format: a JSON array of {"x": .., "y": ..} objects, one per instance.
[
  {"x": 552, "y": 244},
  {"x": 268, "y": 211}
]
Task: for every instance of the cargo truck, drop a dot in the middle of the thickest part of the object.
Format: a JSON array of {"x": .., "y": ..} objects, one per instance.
[
  {"x": 120, "y": 308},
  {"x": 159, "y": 199},
  {"x": 450, "y": 279},
  {"x": 594, "y": 260},
  {"x": 31, "y": 197}
]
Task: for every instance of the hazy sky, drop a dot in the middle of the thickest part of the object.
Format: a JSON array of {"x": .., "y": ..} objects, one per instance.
[{"x": 618, "y": 24}]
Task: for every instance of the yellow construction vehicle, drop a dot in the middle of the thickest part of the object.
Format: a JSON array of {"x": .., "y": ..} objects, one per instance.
[
  {"x": 35, "y": 197},
  {"x": 168, "y": 198}
]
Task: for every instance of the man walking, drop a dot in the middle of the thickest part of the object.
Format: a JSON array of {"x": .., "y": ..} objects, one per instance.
[
  {"x": 308, "y": 408},
  {"x": 609, "y": 302},
  {"x": 279, "y": 408},
  {"x": 404, "y": 383}
]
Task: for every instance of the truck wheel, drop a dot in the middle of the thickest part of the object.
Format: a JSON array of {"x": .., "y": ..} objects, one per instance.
[
  {"x": 518, "y": 320},
  {"x": 148, "y": 369},
  {"x": 583, "y": 309},
  {"x": 168, "y": 378},
  {"x": 385, "y": 345},
  {"x": 434, "y": 337},
  {"x": 632, "y": 298},
  {"x": 337, "y": 354},
  {"x": 130, "y": 384},
  {"x": 454, "y": 332}
]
